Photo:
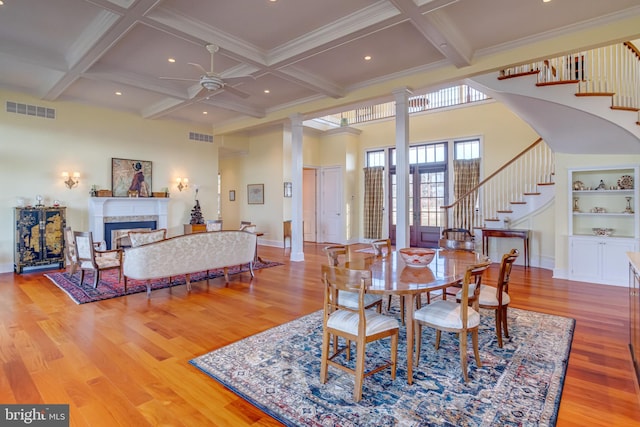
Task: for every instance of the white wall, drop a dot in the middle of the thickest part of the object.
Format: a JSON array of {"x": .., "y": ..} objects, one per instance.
[{"x": 34, "y": 151}]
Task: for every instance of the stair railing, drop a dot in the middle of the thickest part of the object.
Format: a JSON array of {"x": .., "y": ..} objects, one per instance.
[
  {"x": 509, "y": 184},
  {"x": 609, "y": 70}
]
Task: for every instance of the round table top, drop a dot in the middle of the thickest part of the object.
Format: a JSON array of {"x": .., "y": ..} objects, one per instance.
[{"x": 390, "y": 275}]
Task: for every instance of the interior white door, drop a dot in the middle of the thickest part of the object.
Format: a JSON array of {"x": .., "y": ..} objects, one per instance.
[
  {"x": 309, "y": 205},
  {"x": 331, "y": 223}
]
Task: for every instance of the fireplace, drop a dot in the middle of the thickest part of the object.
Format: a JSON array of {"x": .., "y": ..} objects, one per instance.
[{"x": 120, "y": 213}]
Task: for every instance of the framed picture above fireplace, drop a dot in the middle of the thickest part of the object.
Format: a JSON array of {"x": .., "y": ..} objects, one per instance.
[{"x": 130, "y": 178}]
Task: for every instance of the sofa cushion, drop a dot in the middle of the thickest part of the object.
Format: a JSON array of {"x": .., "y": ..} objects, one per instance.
[{"x": 139, "y": 238}]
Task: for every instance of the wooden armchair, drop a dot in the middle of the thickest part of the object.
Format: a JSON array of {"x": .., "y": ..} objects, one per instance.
[
  {"x": 91, "y": 259},
  {"x": 354, "y": 324},
  {"x": 451, "y": 316}
]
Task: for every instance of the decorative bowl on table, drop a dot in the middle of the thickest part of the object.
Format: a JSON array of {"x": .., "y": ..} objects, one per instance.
[
  {"x": 417, "y": 257},
  {"x": 603, "y": 231}
]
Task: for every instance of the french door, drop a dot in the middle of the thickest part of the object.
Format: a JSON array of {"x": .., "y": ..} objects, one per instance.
[{"x": 427, "y": 194}]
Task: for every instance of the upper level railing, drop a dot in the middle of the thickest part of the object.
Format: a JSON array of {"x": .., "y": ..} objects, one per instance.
[
  {"x": 610, "y": 70},
  {"x": 447, "y": 97}
]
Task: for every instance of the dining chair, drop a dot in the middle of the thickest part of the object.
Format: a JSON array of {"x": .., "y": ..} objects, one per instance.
[
  {"x": 70, "y": 257},
  {"x": 497, "y": 298},
  {"x": 214, "y": 225},
  {"x": 451, "y": 316},
  {"x": 338, "y": 255},
  {"x": 95, "y": 260},
  {"x": 354, "y": 324}
]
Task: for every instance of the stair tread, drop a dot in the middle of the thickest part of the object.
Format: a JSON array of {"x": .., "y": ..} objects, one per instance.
[
  {"x": 614, "y": 107},
  {"x": 532, "y": 194},
  {"x": 518, "y": 203},
  {"x": 546, "y": 183},
  {"x": 505, "y": 211},
  {"x": 561, "y": 82},
  {"x": 595, "y": 94}
]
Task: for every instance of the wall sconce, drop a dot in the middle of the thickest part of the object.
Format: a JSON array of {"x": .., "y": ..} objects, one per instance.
[
  {"x": 182, "y": 183},
  {"x": 71, "y": 181}
]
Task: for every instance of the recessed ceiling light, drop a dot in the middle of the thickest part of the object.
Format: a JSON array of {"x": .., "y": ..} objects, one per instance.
[
  {"x": 118, "y": 93},
  {"x": 267, "y": 91},
  {"x": 172, "y": 60},
  {"x": 1, "y": 3},
  {"x": 367, "y": 58},
  {"x": 205, "y": 113},
  {"x": 546, "y": 1}
]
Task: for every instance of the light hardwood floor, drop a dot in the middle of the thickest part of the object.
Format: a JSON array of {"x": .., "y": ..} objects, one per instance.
[{"x": 125, "y": 361}]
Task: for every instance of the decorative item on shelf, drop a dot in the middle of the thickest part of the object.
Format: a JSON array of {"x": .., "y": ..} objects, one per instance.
[
  {"x": 104, "y": 193},
  {"x": 605, "y": 232},
  {"x": 601, "y": 186},
  {"x": 71, "y": 181},
  {"x": 182, "y": 183},
  {"x": 597, "y": 209},
  {"x": 133, "y": 193},
  {"x": 56, "y": 203},
  {"x": 625, "y": 182},
  {"x": 576, "y": 208},
  {"x": 628, "y": 209},
  {"x": 39, "y": 201},
  {"x": 94, "y": 190},
  {"x": 578, "y": 186}
]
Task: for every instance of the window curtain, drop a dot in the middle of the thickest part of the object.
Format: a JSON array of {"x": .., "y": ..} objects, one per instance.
[
  {"x": 466, "y": 176},
  {"x": 373, "y": 202}
]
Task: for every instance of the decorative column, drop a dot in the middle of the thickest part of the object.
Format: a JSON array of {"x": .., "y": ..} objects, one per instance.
[
  {"x": 297, "y": 233},
  {"x": 402, "y": 167}
]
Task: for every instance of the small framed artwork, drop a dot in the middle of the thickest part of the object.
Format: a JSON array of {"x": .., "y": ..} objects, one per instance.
[
  {"x": 255, "y": 194},
  {"x": 130, "y": 178},
  {"x": 232, "y": 195},
  {"x": 288, "y": 189}
]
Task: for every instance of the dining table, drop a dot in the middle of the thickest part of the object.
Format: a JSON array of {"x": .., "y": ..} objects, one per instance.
[{"x": 390, "y": 275}]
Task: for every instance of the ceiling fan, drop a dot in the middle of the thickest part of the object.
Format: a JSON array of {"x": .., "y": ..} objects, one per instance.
[{"x": 211, "y": 81}]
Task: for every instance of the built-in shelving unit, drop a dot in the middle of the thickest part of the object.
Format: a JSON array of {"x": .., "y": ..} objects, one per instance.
[{"x": 603, "y": 223}]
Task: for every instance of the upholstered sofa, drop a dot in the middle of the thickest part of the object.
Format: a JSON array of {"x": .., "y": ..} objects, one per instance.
[{"x": 190, "y": 253}]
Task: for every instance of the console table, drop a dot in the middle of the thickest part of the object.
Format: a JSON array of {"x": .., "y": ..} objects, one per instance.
[{"x": 506, "y": 233}]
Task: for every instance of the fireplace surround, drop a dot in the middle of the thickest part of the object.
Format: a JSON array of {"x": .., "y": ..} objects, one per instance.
[{"x": 134, "y": 210}]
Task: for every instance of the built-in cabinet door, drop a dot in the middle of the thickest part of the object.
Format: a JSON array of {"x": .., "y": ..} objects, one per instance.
[{"x": 600, "y": 259}]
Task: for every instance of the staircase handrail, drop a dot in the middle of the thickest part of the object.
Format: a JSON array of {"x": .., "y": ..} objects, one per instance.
[{"x": 500, "y": 169}]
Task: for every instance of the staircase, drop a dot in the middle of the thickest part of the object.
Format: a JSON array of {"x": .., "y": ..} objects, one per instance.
[{"x": 587, "y": 103}]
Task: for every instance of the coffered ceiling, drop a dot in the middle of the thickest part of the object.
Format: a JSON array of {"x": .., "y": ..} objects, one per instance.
[{"x": 308, "y": 54}]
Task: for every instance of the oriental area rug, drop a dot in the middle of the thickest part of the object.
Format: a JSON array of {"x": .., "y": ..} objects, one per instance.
[
  {"x": 520, "y": 384},
  {"x": 109, "y": 287}
]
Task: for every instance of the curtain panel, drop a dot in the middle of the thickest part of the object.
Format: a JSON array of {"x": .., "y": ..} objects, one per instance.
[
  {"x": 466, "y": 177},
  {"x": 373, "y": 202}
]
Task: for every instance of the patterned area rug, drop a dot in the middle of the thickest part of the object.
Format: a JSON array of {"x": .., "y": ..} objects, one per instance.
[
  {"x": 519, "y": 385},
  {"x": 108, "y": 287}
]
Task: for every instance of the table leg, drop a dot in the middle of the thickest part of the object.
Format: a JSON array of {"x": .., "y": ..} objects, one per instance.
[{"x": 409, "y": 307}]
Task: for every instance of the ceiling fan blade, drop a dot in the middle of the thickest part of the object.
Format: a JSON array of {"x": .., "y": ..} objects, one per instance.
[
  {"x": 235, "y": 91},
  {"x": 199, "y": 67},
  {"x": 179, "y": 79},
  {"x": 234, "y": 80},
  {"x": 201, "y": 94}
]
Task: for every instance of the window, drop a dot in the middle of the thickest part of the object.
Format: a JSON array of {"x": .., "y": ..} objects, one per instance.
[
  {"x": 465, "y": 150},
  {"x": 375, "y": 158},
  {"x": 425, "y": 153}
]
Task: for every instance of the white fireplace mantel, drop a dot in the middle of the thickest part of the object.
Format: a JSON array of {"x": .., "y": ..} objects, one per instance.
[{"x": 111, "y": 209}]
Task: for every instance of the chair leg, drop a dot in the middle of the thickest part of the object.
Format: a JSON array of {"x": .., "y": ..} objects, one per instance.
[
  {"x": 81, "y": 277},
  {"x": 476, "y": 351},
  {"x": 125, "y": 284},
  {"x": 389, "y": 303},
  {"x": 498, "y": 314},
  {"x": 418, "y": 341},
  {"x": 325, "y": 355},
  {"x": 96, "y": 278},
  {"x": 505, "y": 328},
  {"x": 188, "y": 280},
  {"x": 360, "y": 349},
  {"x": 463, "y": 355},
  {"x": 438, "y": 334},
  {"x": 394, "y": 355}
]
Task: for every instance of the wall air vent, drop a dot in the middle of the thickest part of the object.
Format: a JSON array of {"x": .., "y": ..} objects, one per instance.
[
  {"x": 195, "y": 136},
  {"x": 31, "y": 110}
]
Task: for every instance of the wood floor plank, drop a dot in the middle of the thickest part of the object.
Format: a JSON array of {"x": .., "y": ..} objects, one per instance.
[{"x": 124, "y": 361}]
